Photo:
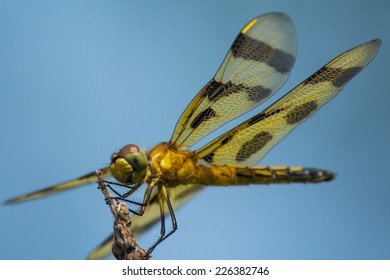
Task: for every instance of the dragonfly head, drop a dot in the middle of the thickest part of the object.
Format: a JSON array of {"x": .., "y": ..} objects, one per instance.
[{"x": 129, "y": 165}]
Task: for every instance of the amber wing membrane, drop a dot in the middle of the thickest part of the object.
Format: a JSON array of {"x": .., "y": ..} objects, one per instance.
[
  {"x": 256, "y": 66},
  {"x": 71, "y": 184},
  {"x": 248, "y": 142}
]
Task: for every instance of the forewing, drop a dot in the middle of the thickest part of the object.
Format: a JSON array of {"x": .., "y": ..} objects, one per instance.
[
  {"x": 247, "y": 143},
  {"x": 178, "y": 197},
  {"x": 256, "y": 66},
  {"x": 78, "y": 182}
]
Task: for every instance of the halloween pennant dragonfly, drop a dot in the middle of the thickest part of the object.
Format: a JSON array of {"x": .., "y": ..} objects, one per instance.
[{"x": 255, "y": 67}]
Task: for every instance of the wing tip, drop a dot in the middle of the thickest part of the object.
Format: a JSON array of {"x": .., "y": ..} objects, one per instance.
[
  {"x": 13, "y": 201},
  {"x": 374, "y": 44},
  {"x": 376, "y": 41},
  {"x": 8, "y": 202},
  {"x": 275, "y": 14}
]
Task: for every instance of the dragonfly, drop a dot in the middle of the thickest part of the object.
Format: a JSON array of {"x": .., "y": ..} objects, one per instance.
[{"x": 256, "y": 66}]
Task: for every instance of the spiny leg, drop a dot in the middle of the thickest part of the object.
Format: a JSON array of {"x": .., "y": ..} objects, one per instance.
[
  {"x": 122, "y": 197},
  {"x": 132, "y": 188},
  {"x": 143, "y": 204},
  {"x": 164, "y": 197},
  {"x": 147, "y": 195}
]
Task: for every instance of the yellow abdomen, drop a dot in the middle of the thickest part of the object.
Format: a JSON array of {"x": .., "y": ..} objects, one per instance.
[{"x": 178, "y": 166}]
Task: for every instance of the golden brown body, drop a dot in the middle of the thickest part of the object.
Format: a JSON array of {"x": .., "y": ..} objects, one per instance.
[{"x": 177, "y": 166}]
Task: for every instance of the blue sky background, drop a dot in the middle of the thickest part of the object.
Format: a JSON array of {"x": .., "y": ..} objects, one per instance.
[{"x": 79, "y": 79}]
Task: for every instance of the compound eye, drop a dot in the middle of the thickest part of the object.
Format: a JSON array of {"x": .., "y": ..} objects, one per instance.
[{"x": 134, "y": 156}]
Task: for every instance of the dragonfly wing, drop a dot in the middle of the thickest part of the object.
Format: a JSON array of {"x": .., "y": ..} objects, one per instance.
[
  {"x": 86, "y": 179},
  {"x": 248, "y": 142},
  {"x": 256, "y": 66},
  {"x": 178, "y": 197},
  {"x": 103, "y": 250}
]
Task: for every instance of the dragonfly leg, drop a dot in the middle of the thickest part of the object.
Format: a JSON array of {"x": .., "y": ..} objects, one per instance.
[
  {"x": 123, "y": 197},
  {"x": 136, "y": 186},
  {"x": 163, "y": 197},
  {"x": 143, "y": 204},
  {"x": 132, "y": 188},
  {"x": 128, "y": 201},
  {"x": 147, "y": 195}
]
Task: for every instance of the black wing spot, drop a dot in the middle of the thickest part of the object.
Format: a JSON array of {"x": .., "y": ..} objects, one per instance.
[
  {"x": 301, "y": 112},
  {"x": 226, "y": 140},
  {"x": 253, "y": 146},
  {"x": 203, "y": 116},
  {"x": 248, "y": 48},
  {"x": 346, "y": 76},
  {"x": 257, "y": 93},
  {"x": 208, "y": 158},
  {"x": 338, "y": 76},
  {"x": 215, "y": 90}
]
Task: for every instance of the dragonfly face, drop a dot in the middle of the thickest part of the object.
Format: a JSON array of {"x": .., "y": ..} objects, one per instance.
[
  {"x": 257, "y": 64},
  {"x": 129, "y": 165}
]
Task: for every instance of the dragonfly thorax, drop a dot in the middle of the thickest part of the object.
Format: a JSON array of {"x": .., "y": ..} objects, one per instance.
[{"x": 172, "y": 164}]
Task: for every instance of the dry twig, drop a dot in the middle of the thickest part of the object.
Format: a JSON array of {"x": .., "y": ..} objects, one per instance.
[{"x": 125, "y": 246}]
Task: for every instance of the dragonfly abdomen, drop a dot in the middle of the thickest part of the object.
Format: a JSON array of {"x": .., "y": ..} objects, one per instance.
[
  {"x": 281, "y": 174},
  {"x": 247, "y": 175}
]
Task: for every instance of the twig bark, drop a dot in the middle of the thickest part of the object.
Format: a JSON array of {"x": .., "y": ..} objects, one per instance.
[{"x": 125, "y": 246}]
